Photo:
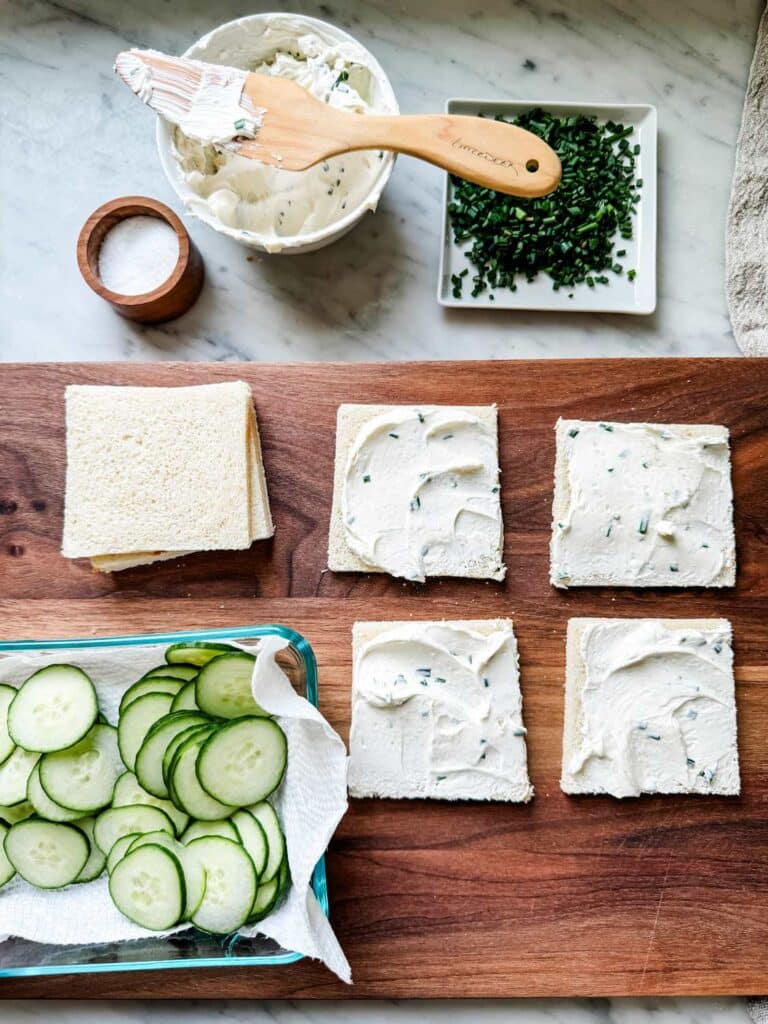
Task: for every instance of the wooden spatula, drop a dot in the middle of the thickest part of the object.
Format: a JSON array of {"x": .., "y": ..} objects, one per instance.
[{"x": 277, "y": 122}]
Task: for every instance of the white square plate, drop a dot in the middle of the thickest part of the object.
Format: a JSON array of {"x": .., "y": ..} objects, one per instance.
[{"x": 620, "y": 295}]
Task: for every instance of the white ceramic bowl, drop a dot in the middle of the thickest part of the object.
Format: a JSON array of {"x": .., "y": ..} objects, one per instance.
[{"x": 235, "y": 40}]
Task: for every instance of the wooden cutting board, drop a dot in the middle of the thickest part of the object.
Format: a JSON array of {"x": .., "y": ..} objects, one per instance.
[{"x": 588, "y": 896}]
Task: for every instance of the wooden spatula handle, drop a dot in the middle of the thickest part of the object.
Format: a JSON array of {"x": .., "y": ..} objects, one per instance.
[{"x": 491, "y": 153}]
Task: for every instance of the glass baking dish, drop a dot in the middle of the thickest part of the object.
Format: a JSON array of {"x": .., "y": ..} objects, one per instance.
[{"x": 191, "y": 948}]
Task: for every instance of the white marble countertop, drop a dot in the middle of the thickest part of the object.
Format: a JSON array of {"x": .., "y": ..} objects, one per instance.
[{"x": 73, "y": 138}]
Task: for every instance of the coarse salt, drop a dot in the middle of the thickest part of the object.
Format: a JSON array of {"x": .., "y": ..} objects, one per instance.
[{"x": 137, "y": 255}]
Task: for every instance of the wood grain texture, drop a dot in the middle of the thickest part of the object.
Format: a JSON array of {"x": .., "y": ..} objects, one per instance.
[{"x": 566, "y": 896}]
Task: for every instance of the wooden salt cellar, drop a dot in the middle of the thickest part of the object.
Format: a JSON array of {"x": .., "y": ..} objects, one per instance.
[{"x": 170, "y": 299}]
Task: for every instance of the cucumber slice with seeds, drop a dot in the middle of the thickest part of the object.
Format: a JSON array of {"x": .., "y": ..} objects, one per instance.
[
  {"x": 147, "y": 886},
  {"x": 149, "y": 760},
  {"x": 253, "y": 838},
  {"x": 184, "y": 785},
  {"x": 46, "y": 854},
  {"x": 267, "y": 817},
  {"x": 14, "y": 776},
  {"x": 196, "y": 652},
  {"x": 42, "y": 804},
  {"x": 7, "y": 693},
  {"x": 121, "y": 846},
  {"x": 244, "y": 761},
  {"x": 194, "y": 874},
  {"x": 7, "y": 870},
  {"x": 223, "y": 827},
  {"x": 185, "y": 699},
  {"x": 223, "y": 688},
  {"x": 230, "y": 884},
  {"x": 129, "y": 792},
  {"x": 94, "y": 866},
  {"x": 120, "y": 821},
  {"x": 136, "y": 721},
  {"x": 53, "y": 709},
  {"x": 83, "y": 777}
]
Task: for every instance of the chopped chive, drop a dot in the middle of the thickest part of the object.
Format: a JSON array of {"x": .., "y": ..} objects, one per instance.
[
  {"x": 573, "y": 432},
  {"x": 674, "y": 567},
  {"x": 415, "y": 503},
  {"x": 606, "y": 426},
  {"x": 642, "y": 526},
  {"x": 486, "y": 682},
  {"x": 393, "y": 434},
  {"x": 569, "y": 235},
  {"x": 240, "y": 124},
  {"x": 717, "y": 648},
  {"x": 367, "y": 478},
  {"x": 424, "y": 671}
]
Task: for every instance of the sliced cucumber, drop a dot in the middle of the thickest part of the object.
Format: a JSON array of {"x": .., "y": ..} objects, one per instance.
[
  {"x": 120, "y": 821},
  {"x": 151, "y": 685},
  {"x": 14, "y": 776},
  {"x": 10, "y": 815},
  {"x": 267, "y": 817},
  {"x": 266, "y": 897},
  {"x": 96, "y": 860},
  {"x": 46, "y": 854},
  {"x": 253, "y": 838},
  {"x": 7, "y": 693},
  {"x": 149, "y": 760},
  {"x": 284, "y": 877},
  {"x": 196, "y": 652},
  {"x": 53, "y": 709},
  {"x": 183, "y": 672},
  {"x": 230, "y": 884},
  {"x": 136, "y": 721},
  {"x": 194, "y": 874},
  {"x": 223, "y": 688},
  {"x": 7, "y": 870},
  {"x": 129, "y": 792},
  {"x": 121, "y": 846},
  {"x": 185, "y": 699},
  {"x": 147, "y": 886},
  {"x": 42, "y": 804},
  {"x": 178, "y": 741},
  {"x": 83, "y": 777},
  {"x": 184, "y": 785},
  {"x": 223, "y": 827},
  {"x": 243, "y": 761}
]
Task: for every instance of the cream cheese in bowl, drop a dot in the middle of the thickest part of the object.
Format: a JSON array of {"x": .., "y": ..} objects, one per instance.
[{"x": 266, "y": 207}]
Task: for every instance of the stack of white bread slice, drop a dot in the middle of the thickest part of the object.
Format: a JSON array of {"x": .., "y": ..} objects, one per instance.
[{"x": 155, "y": 473}]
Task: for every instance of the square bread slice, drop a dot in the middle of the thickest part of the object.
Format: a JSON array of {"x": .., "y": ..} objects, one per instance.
[
  {"x": 484, "y": 561},
  {"x": 156, "y": 473},
  {"x": 650, "y": 707},
  {"x": 437, "y": 712},
  {"x": 642, "y": 505}
]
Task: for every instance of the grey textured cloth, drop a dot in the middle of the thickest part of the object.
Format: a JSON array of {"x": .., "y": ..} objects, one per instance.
[
  {"x": 746, "y": 249},
  {"x": 758, "y": 1010}
]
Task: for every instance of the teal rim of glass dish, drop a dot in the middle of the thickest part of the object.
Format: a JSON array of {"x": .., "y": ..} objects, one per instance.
[{"x": 319, "y": 878}]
